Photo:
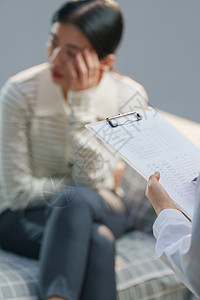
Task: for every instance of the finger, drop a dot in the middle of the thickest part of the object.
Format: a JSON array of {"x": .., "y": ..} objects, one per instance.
[
  {"x": 72, "y": 70},
  {"x": 95, "y": 70},
  {"x": 101, "y": 74},
  {"x": 73, "y": 73},
  {"x": 155, "y": 176},
  {"x": 103, "y": 68},
  {"x": 81, "y": 67},
  {"x": 87, "y": 55}
]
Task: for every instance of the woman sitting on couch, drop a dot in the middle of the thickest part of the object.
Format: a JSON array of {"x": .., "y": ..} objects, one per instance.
[{"x": 45, "y": 149}]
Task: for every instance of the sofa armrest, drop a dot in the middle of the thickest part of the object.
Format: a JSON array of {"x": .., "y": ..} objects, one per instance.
[{"x": 188, "y": 128}]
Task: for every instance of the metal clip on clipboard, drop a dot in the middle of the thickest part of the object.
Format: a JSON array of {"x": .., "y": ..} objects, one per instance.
[{"x": 113, "y": 123}]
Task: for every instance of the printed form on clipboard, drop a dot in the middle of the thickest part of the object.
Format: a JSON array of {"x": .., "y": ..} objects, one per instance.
[{"x": 150, "y": 143}]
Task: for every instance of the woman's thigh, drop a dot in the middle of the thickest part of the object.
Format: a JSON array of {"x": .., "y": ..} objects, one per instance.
[
  {"x": 22, "y": 231},
  {"x": 102, "y": 207}
]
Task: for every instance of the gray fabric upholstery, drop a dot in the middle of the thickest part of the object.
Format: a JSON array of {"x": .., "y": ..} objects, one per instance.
[{"x": 139, "y": 274}]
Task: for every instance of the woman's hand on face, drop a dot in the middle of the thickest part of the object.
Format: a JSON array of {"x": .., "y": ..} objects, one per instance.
[
  {"x": 85, "y": 70},
  {"x": 157, "y": 195}
]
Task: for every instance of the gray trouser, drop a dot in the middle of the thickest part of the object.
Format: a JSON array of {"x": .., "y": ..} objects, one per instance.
[{"x": 75, "y": 244}]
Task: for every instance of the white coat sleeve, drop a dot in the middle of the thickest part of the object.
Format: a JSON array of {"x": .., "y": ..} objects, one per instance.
[{"x": 178, "y": 243}]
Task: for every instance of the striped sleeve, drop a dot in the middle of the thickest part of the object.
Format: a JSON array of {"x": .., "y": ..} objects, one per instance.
[
  {"x": 19, "y": 187},
  {"x": 93, "y": 162}
]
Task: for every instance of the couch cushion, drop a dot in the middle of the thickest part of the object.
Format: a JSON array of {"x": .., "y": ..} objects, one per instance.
[
  {"x": 18, "y": 277},
  {"x": 140, "y": 275}
]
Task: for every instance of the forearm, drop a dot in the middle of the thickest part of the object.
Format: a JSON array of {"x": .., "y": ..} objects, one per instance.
[
  {"x": 93, "y": 162},
  {"x": 30, "y": 192}
]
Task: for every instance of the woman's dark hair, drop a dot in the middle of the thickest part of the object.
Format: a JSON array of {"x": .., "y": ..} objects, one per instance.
[{"x": 100, "y": 21}]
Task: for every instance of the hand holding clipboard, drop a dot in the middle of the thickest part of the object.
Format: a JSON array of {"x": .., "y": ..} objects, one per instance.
[{"x": 149, "y": 143}]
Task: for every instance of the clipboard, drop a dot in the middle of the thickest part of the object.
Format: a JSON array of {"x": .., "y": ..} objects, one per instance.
[
  {"x": 127, "y": 117},
  {"x": 149, "y": 143}
]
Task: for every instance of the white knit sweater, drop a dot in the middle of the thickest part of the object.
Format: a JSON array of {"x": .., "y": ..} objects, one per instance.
[{"x": 42, "y": 138}]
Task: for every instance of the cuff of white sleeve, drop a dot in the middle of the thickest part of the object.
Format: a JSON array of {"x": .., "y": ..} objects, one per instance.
[
  {"x": 168, "y": 216},
  {"x": 81, "y": 97},
  {"x": 82, "y": 105}
]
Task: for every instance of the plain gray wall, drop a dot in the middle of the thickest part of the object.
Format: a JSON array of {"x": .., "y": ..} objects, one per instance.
[{"x": 160, "y": 48}]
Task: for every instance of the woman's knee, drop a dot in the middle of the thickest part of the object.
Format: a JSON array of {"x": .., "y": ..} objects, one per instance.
[
  {"x": 103, "y": 242},
  {"x": 75, "y": 196},
  {"x": 69, "y": 198},
  {"x": 75, "y": 211},
  {"x": 102, "y": 252}
]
